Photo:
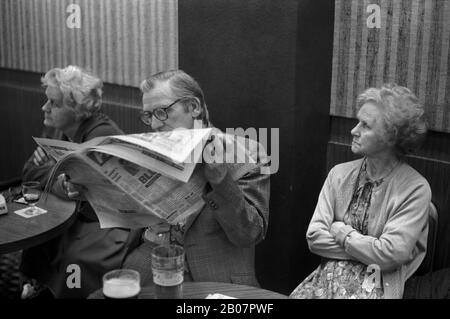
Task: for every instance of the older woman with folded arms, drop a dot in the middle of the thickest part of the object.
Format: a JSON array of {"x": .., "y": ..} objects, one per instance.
[{"x": 370, "y": 224}]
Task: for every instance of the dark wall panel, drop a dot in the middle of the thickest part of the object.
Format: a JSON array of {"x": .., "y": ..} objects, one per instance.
[
  {"x": 267, "y": 64},
  {"x": 313, "y": 86},
  {"x": 243, "y": 55},
  {"x": 21, "y": 98}
]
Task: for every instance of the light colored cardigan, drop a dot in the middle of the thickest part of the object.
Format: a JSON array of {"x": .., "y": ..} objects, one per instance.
[{"x": 397, "y": 225}]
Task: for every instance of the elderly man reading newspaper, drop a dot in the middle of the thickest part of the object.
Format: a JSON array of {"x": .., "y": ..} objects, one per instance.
[
  {"x": 185, "y": 183},
  {"x": 220, "y": 237}
]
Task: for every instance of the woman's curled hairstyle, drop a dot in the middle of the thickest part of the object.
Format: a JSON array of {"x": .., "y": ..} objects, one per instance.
[
  {"x": 80, "y": 89},
  {"x": 403, "y": 115}
]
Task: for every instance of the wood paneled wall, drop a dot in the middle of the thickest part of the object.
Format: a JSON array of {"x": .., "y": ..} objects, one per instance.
[
  {"x": 410, "y": 47},
  {"x": 122, "y": 41}
]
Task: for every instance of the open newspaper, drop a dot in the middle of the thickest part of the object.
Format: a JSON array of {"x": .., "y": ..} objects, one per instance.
[{"x": 135, "y": 180}]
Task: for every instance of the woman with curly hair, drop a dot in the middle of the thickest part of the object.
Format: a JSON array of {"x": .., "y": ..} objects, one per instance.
[{"x": 370, "y": 224}]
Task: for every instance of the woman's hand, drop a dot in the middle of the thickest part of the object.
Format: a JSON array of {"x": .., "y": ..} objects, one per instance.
[
  {"x": 340, "y": 231},
  {"x": 40, "y": 157},
  {"x": 335, "y": 227},
  {"x": 73, "y": 191}
]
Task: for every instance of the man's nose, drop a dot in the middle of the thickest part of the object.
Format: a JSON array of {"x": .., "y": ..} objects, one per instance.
[{"x": 156, "y": 124}]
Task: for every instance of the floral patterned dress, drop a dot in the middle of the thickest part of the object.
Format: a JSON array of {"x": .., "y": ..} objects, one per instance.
[{"x": 344, "y": 279}]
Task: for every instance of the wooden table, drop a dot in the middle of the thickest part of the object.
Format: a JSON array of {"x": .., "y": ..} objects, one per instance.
[
  {"x": 17, "y": 232},
  {"x": 199, "y": 290}
]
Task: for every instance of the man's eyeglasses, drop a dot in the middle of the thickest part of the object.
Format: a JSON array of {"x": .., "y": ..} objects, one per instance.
[{"x": 160, "y": 113}]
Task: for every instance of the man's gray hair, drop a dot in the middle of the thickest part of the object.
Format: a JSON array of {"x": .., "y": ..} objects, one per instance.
[{"x": 181, "y": 85}]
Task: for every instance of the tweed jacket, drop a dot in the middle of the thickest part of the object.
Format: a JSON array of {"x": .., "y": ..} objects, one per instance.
[
  {"x": 220, "y": 240},
  {"x": 397, "y": 223}
]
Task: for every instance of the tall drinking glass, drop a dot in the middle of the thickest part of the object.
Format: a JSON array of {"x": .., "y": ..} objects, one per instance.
[
  {"x": 168, "y": 271},
  {"x": 121, "y": 284},
  {"x": 31, "y": 192}
]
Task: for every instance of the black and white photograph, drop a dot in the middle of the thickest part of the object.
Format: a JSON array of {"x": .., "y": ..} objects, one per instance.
[{"x": 297, "y": 149}]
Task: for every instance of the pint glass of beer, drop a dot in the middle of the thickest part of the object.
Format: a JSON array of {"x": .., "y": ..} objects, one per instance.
[
  {"x": 168, "y": 269},
  {"x": 121, "y": 284}
]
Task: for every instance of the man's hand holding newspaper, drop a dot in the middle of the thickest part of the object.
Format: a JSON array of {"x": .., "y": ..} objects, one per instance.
[{"x": 215, "y": 156}]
